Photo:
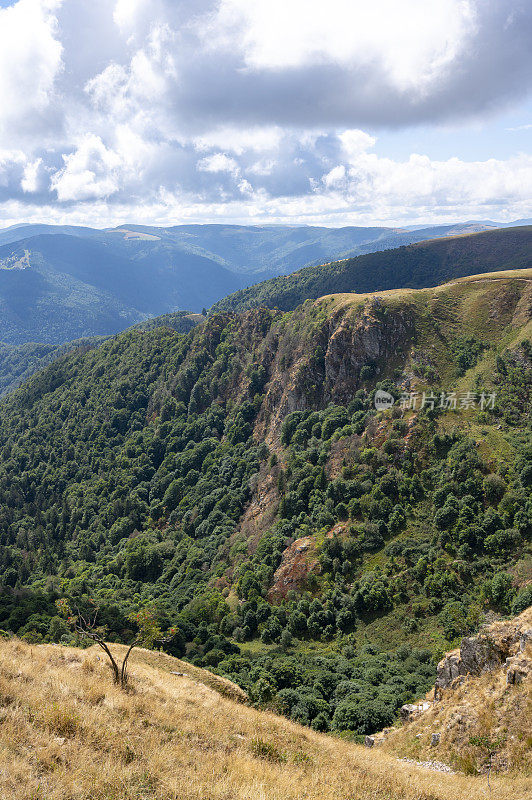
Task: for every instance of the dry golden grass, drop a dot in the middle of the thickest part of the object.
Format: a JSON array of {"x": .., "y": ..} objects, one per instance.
[
  {"x": 340, "y": 300},
  {"x": 67, "y": 733},
  {"x": 168, "y": 663},
  {"x": 480, "y": 707}
]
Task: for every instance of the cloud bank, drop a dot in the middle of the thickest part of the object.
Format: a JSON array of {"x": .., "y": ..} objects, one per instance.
[{"x": 173, "y": 110}]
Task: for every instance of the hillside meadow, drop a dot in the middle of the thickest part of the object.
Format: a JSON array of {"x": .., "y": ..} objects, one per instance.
[{"x": 67, "y": 733}]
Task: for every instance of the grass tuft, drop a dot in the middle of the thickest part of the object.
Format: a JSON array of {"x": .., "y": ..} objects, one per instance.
[
  {"x": 268, "y": 751},
  {"x": 63, "y": 721}
]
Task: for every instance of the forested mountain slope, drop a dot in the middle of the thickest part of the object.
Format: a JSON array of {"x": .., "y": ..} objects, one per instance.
[
  {"x": 418, "y": 265},
  {"x": 318, "y": 553},
  {"x": 18, "y": 362}
]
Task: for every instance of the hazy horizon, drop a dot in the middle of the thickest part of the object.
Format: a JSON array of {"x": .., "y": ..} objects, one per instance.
[{"x": 258, "y": 224}]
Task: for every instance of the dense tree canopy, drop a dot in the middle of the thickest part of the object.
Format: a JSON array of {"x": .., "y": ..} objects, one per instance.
[{"x": 124, "y": 474}]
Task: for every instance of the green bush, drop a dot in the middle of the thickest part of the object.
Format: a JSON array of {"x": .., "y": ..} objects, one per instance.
[{"x": 522, "y": 600}]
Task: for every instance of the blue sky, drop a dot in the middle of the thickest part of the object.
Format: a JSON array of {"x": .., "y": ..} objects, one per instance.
[
  {"x": 502, "y": 134},
  {"x": 292, "y": 111}
]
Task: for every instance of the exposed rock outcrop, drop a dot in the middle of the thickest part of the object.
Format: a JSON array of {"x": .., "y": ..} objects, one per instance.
[
  {"x": 411, "y": 710},
  {"x": 321, "y": 362},
  {"x": 486, "y": 696},
  {"x": 299, "y": 560},
  {"x": 518, "y": 669},
  {"x": 499, "y": 644}
]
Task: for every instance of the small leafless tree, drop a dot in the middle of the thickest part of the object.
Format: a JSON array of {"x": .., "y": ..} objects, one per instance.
[
  {"x": 85, "y": 625},
  {"x": 490, "y": 747}
]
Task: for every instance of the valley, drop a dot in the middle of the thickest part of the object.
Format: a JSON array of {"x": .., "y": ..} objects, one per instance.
[{"x": 176, "y": 470}]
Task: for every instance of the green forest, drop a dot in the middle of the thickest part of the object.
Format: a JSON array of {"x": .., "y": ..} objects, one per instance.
[
  {"x": 126, "y": 471},
  {"x": 417, "y": 266},
  {"x": 18, "y": 362}
]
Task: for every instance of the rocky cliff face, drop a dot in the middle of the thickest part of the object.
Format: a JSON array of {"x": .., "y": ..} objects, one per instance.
[
  {"x": 312, "y": 362},
  {"x": 309, "y": 359},
  {"x": 501, "y": 644},
  {"x": 373, "y": 338}
]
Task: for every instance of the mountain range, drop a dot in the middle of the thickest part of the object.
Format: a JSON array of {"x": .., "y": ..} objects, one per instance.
[
  {"x": 59, "y": 283},
  {"x": 418, "y": 265}
]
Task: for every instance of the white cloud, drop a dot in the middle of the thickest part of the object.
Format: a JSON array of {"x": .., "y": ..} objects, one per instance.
[
  {"x": 108, "y": 89},
  {"x": 219, "y": 162},
  {"x": 89, "y": 172},
  {"x": 11, "y": 162},
  {"x": 264, "y": 166},
  {"x": 129, "y": 14},
  {"x": 240, "y": 140},
  {"x": 372, "y": 190},
  {"x": 355, "y": 142},
  {"x": 153, "y": 66},
  {"x": 413, "y": 40},
  {"x": 31, "y": 179},
  {"x": 144, "y": 81},
  {"x": 30, "y": 60},
  {"x": 421, "y": 187},
  {"x": 335, "y": 178},
  {"x": 164, "y": 109}
]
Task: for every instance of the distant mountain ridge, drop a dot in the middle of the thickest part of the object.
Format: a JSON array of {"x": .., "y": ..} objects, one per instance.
[
  {"x": 59, "y": 283},
  {"x": 416, "y": 266},
  {"x": 54, "y": 288}
]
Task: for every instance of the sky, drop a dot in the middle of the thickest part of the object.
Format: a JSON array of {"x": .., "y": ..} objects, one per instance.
[{"x": 381, "y": 112}]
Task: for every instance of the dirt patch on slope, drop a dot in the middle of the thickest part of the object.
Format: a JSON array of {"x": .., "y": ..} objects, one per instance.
[{"x": 299, "y": 561}]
